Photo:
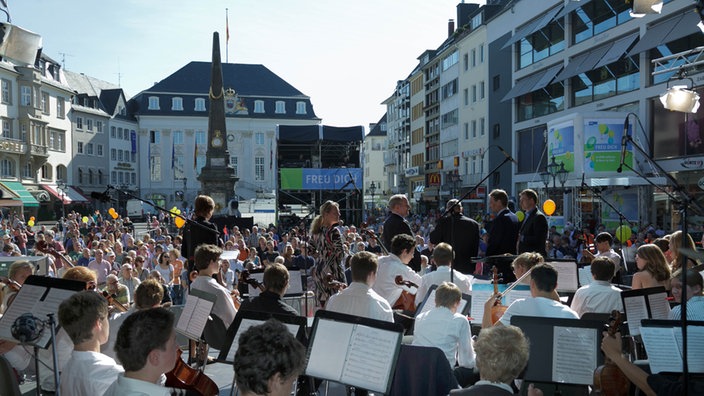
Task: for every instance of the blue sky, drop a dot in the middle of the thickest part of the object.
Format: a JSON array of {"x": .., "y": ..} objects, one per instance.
[{"x": 345, "y": 55}]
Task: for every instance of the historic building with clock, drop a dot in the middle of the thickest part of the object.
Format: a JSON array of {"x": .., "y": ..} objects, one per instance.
[{"x": 173, "y": 124}]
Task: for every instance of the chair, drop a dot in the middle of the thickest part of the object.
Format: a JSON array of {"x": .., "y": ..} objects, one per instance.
[
  {"x": 422, "y": 371},
  {"x": 8, "y": 379}
]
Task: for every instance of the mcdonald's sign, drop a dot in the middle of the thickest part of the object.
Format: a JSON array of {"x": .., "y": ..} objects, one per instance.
[{"x": 434, "y": 179}]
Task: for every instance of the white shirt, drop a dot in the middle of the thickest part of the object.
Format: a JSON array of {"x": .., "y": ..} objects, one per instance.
[
  {"x": 613, "y": 256},
  {"x": 360, "y": 300},
  {"x": 108, "y": 348},
  {"x": 598, "y": 296},
  {"x": 448, "y": 331},
  {"x": 442, "y": 274},
  {"x": 695, "y": 309},
  {"x": 224, "y": 307},
  {"x": 389, "y": 267},
  {"x": 88, "y": 373},
  {"x": 63, "y": 353},
  {"x": 539, "y": 307},
  {"x": 134, "y": 387}
]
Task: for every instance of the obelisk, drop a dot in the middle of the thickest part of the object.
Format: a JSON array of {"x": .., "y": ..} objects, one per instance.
[{"x": 217, "y": 177}]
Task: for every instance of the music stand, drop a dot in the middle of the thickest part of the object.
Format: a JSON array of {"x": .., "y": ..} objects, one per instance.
[
  {"x": 354, "y": 351},
  {"x": 663, "y": 343},
  {"x": 194, "y": 317},
  {"x": 428, "y": 302},
  {"x": 40, "y": 296},
  {"x": 648, "y": 303}
]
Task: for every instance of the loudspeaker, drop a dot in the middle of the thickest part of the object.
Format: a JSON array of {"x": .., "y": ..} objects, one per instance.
[{"x": 19, "y": 44}]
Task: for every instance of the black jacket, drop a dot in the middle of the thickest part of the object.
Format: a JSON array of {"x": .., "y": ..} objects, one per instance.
[
  {"x": 503, "y": 234},
  {"x": 194, "y": 236},
  {"x": 462, "y": 233},
  {"x": 393, "y": 226},
  {"x": 533, "y": 233}
]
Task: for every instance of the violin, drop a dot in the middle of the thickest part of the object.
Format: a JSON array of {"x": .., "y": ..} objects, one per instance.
[
  {"x": 608, "y": 378},
  {"x": 406, "y": 301},
  {"x": 372, "y": 234},
  {"x": 245, "y": 277},
  {"x": 112, "y": 300},
  {"x": 184, "y": 377},
  {"x": 334, "y": 284},
  {"x": 13, "y": 286},
  {"x": 497, "y": 311},
  {"x": 44, "y": 247}
]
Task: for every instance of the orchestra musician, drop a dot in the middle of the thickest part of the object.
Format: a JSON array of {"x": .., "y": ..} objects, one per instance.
[
  {"x": 600, "y": 295},
  {"x": 276, "y": 278},
  {"x": 327, "y": 239},
  {"x": 543, "y": 283},
  {"x": 146, "y": 346},
  {"x": 18, "y": 272},
  {"x": 207, "y": 263},
  {"x": 194, "y": 236},
  {"x": 442, "y": 255},
  {"x": 403, "y": 247},
  {"x": 462, "y": 233},
  {"x": 359, "y": 298}
]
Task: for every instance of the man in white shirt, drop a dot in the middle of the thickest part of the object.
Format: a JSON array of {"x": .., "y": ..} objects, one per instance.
[
  {"x": 543, "y": 283},
  {"x": 358, "y": 298},
  {"x": 84, "y": 317},
  {"x": 442, "y": 255},
  {"x": 207, "y": 263},
  {"x": 599, "y": 296},
  {"x": 603, "y": 242},
  {"x": 145, "y": 362},
  {"x": 444, "y": 328},
  {"x": 396, "y": 264}
]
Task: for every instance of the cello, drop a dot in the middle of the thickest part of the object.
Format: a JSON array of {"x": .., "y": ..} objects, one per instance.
[
  {"x": 609, "y": 380},
  {"x": 185, "y": 377},
  {"x": 406, "y": 301}
]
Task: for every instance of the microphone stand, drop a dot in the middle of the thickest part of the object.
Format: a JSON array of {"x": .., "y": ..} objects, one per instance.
[
  {"x": 684, "y": 201},
  {"x": 52, "y": 327},
  {"x": 467, "y": 194}
]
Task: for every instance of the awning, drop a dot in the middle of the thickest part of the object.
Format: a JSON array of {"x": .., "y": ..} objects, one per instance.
[
  {"x": 584, "y": 62},
  {"x": 523, "y": 86},
  {"x": 532, "y": 27},
  {"x": 617, "y": 50},
  {"x": 549, "y": 75},
  {"x": 664, "y": 32},
  {"x": 71, "y": 195},
  {"x": 25, "y": 196},
  {"x": 571, "y": 6}
]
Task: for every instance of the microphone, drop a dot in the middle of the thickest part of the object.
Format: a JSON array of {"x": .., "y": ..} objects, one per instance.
[
  {"x": 583, "y": 185},
  {"x": 507, "y": 155},
  {"x": 624, "y": 139}
]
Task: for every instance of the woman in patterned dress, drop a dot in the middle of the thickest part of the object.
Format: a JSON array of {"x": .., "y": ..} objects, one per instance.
[{"x": 327, "y": 238}]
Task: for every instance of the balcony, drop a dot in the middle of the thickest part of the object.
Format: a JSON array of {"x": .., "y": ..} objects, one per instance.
[{"x": 38, "y": 150}]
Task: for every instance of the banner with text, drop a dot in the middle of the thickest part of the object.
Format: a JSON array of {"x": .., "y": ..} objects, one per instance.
[{"x": 320, "y": 179}]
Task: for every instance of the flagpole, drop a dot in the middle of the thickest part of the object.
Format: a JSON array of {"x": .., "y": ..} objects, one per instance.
[{"x": 227, "y": 36}]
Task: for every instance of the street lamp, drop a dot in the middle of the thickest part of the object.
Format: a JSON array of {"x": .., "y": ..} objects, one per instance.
[
  {"x": 455, "y": 179},
  {"x": 556, "y": 172},
  {"x": 372, "y": 190},
  {"x": 61, "y": 186}
]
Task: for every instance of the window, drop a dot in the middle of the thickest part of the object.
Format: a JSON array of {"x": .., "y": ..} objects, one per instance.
[
  {"x": 301, "y": 108},
  {"x": 177, "y": 104},
  {"x": 474, "y": 128},
  {"x": 450, "y": 118},
  {"x": 120, "y": 155},
  {"x": 6, "y": 128},
  {"x": 259, "y": 138},
  {"x": 79, "y": 122},
  {"x": 465, "y": 61},
  {"x": 90, "y": 176},
  {"x": 200, "y": 137},
  {"x": 465, "y": 96},
  {"x": 99, "y": 150},
  {"x": 113, "y": 177},
  {"x": 258, "y": 106},
  {"x": 60, "y": 107},
  {"x": 155, "y": 168},
  {"x": 100, "y": 177},
  {"x": 155, "y": 137},
  {"x": 25, "y": 96},
  {"x": 7, "y": 168},
  {"x": 178, "y": 137},
  {"x": 80, "y": 176},
  {"x": 45, "y": 102},
  {"x": 280, "y": 107},
  {"x": 133, "y": 178},
  {"x": 45, "y": 172},
  {"x": 153, "y": 103},
  {"x": 6, "y": 88},
  {"x": 450, "y": 60},
  {"x": 541, "y": 44},
  {"x": 99, "y": 126},
  {"x": 120, "y": 133},
  {"x": 481, "y": 90},
  {"x": 541, "y": 102},
  {"x": 233, "y": 164},
  {"x": 465, "y": 128},
  {"x": 610, "y": 80},
  {"x": 113, "y": 154},
  {"x": 57, "y": 140},
  {"x": 79, "y": 147},
  {"x": 481, "y": 53},
  {"x": 482, "y": 125},
  {"x": 473, "y": 57},
  {"x": 113, "y": 132},
  {"x": 200, "y": 104},
  {"x": 89, "y": 148},
  {"x": 89, "y": 125},
  {"x": 530, "y": 145},
  {"x": 448, "y": 89},
  {"x": 61, "y": 172},
  {"x": 474, "y": 93},
  {"x": 259, "y": 168},
  {"x": 598, "y": 16}
]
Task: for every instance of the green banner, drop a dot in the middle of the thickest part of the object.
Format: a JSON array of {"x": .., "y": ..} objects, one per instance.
[{"x": 291, "y": 178}]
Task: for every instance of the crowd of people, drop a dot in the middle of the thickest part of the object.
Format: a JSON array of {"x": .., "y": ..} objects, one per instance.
[{"x": 383, "y": 272}]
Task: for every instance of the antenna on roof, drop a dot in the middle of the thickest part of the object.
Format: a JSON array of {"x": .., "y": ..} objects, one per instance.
[{"x": 63, "y": 59}]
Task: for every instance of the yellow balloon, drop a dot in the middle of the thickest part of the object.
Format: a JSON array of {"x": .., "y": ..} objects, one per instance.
[
  {"x": 180, "y": 222},
  {"x": 520, "y": 215},
  {"x": 114, "y": 214},
  {"x": 32, "y": 218},
  {"x": 31, "y": 222},
  {"x": 623, "y": 233},
  {"x": 85, "y": 219},
  {"x": 549, "y": 207}
]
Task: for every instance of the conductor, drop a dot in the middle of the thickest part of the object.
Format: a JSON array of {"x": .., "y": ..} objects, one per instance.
[{"x": 462, "y": 233}]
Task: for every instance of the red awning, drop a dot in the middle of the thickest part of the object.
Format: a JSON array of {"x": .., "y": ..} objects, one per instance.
[{"x": 69, "y": 195}]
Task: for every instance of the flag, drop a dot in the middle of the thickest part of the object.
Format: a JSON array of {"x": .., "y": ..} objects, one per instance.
[
  {"x": 173, "y": 156},
  {"x": 227, "y": 28},
  {"x": 195, "y": 156},
  {"x": 271, "y": 156}
]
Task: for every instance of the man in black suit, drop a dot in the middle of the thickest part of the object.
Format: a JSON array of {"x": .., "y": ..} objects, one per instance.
[
  {"x": 503, "y": 233},
  {"x": 193, "y": 235},
  {"x": 462, "y": 233},
  {"x": 534, "y": 231},
  {"x": 396, "y": 224}
]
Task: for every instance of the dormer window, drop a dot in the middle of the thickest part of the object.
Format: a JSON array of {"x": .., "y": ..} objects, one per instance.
[
  {"x": 280, "y": 107},
  {"x": 153, "y": 103},
  {"x": 200, "y": 104},
  {"x": 300, "y": 107},
  {"x": 177, "y": 104},
  {"x": 259, "y": 106}
]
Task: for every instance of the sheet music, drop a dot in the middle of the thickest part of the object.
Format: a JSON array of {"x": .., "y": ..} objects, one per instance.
[
  {"x": 585, "y": 275},
  {"x": 663, "y": 349},
  {"x": 246, "y": 324},
  {"x": 636, "y": 310},
  {"x": 573, "y": 359},
  {"x": 369, "y": 359},
  {"x": 695, "y": 347},
  {"x": 295, "y": 286},
  {"x": 518, "y": 293},
  {"x": 480, "y": 294},
  {"x": 194, "y": 317},
  {"x": 329, "y": 349},
  {"x": 567, "y": 279},
  {"x": 659, "y": 306},
  {"x": 230, "y": 255}
]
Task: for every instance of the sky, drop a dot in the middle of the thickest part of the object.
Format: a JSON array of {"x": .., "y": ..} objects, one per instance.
[{"x": 345, "y": 55}]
